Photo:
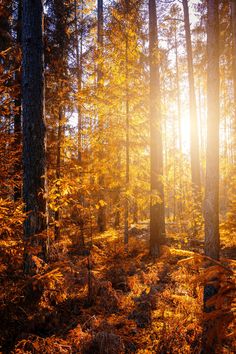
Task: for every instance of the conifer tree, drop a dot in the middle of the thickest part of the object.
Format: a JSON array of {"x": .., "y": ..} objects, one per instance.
[
  {"x": 127, "y": 123},
  {"x": 100, "y": 33},
  {"x": 157, "y": 216},
  {"x": 17, "y": 115},
  {"x": 194, "y": 140},
  {"x": 233, "y": 16},
  {"x": 78, "y": 34},
  {"x": 212, "y": 237},
  {"x": 34, "y": 129}
]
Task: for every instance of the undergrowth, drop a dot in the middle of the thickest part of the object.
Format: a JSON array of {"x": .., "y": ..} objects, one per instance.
[{"x": 110, "y": 299}]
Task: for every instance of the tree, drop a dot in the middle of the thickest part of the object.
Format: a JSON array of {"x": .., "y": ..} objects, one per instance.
[
  {"x": 102, "y": 204},
  {"x": 194, "y": 140},
  {"x": 233, "y": 14},
  {"x": 127, "y": 126},
  {"x": 9, "y": 95},
  {"x": 79, "y": 68},
  {"x": 34, "y": 130},
  {"x": 99, "y": 35},
  {"x": 212, "y": 238},
  {"x": 123, "y": 80},
  {"x": 157, "y": 218},
  {"x": 58, "y": 39},
  {"x": 17, "y": 115}
]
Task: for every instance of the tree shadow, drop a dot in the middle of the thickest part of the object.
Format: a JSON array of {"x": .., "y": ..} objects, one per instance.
[{"x": 19, "y": 320}]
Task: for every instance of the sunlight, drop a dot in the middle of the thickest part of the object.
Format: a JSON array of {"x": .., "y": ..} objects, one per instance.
[
  {"x": 185, "y": 130},
  {"x": 117, "y": 218}
]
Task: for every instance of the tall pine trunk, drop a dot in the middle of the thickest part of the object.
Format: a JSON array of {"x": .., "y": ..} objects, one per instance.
[
  {"x": 79, "y": 70},
  {"x": 212, "y": 239},
  {"x": 59, "y": 9},
  {"x": 57, "y": 230},
  {"x": 179, "y": 203},
  {"x": 157, "y": 216},
  {"x": 78, "y": 50},
  {"x": 99, "y": 36},
  {"x": 17, "y": 116},
  {"x": 233, "y": 14},
  {"x": 127, "y": 128},
  {"x": 102, "y": 206},
  {"x": 194, "y": 139},
  {"x": 34, "y": 130}
]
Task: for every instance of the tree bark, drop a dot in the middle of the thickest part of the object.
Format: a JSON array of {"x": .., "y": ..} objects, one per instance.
[
  {"x": 34, "y": 130},
  {"x": 101, "y": 220},
  {"x": 233, "y": 15},
  {"x": 157, "y": 216},
  {"x": 212, "y": 238},
  {"x": 57, "y": 230},
  {"x": 127, "y": 128},
  {"x": 211, "y": 212},
  {"x": 194, "y": 139},
  {"x": 100, "y": 35},
  {"x": 17, "y": 116},
  {"x": 78, "y": 50},
  {"x": 79, "y": 69},
  {"x": 179, "y": 203}
]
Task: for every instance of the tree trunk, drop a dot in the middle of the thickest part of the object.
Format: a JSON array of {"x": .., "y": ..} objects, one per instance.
[
  {"x": 194, "y": 140},
  {"x": 212, "y": 239},
  {"x": 78, "y": 44},
  {"x": 17, "y": 116},
  {"x": 79, "y": 69},
  {"x": 34, "y": 130},
  {"x": 102, "y": 207},
  {"x": 233, "y": 14},
  {"x": 178, "y": 94},
  {"x": 100, "y": 35},
  {"x": 157, "y": 218},
  {"x": 127, "y": 158},
  {"x": 58, "y": 175},
  {"x": 179, "y": 204}
]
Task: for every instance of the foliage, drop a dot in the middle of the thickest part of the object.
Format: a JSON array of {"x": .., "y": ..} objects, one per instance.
[
  {"x": 93, "y": 294},
  {"x": 135, "y": 304}
]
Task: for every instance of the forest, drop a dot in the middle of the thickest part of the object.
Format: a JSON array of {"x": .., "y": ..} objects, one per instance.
[{"x": 117, "y": 176}]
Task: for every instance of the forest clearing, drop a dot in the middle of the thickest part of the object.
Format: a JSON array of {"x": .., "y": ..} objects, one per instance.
[{"x": 117, "y": 176}]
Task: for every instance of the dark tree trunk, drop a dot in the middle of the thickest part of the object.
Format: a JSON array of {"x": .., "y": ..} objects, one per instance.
[
  {"x": 34, "y": 159},
  {"x": 100, "y": 35},
  {"x": 194, "y": 140},
  {"x": 157, "y": 216},
  {"x": 79, "y": 64},
  {"x": 17, "y": 116},
  {"x": 61, "y": 13},
  {"x": 212, "y": 239}
]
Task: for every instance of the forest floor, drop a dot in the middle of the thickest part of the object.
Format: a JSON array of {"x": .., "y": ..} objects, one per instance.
[{"x": 109, "y": 299}]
